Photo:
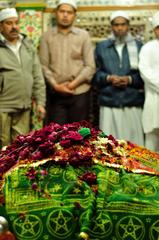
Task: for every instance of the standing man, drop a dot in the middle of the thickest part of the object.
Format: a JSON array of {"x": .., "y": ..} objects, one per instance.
[
  {"x": 67, "y": 60},
  {"x": 121, "y": 94},
  {"x": 20, "y": 79},
  {"x": 149, "y": 68}
]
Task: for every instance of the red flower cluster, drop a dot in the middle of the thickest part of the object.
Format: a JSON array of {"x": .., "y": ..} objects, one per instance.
[{"x": 47, "y": 143}]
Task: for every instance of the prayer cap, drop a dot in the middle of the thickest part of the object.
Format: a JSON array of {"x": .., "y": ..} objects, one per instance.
[
  {"x": 8, "y": 13},
  {"x": 119, "y": 14},
  {"x": 70, "y": 2},
  {"x": 155, "y": 20}
]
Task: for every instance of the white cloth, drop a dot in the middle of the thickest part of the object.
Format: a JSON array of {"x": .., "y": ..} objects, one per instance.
[
  {"x": 149, "y": 69},
  {"x": 119, "y": 14},
  {"x": 122, "y": 123},
  {"x": 119, "y": 48},
  {"x": 155, "y": 20},
  {"x": 13, "y": 47},
  {"x": 152, "y": 140},
  {"x": 8, "y": 13},
  {"x": 69, "y": 2}
]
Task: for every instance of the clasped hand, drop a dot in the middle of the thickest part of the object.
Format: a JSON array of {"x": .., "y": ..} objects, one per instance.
[
  {"x": 119, "y": 81},
  {"x": 66, "y": 88}
]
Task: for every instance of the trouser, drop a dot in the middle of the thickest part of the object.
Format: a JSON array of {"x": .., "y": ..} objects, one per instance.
[
  {"x": 152, "y": 140},
  {"x": 12, "y": 125},
  {"x": 68, "y": 109}
]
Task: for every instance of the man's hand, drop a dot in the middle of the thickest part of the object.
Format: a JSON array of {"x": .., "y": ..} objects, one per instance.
[
  {"x": 119, "y": 81},
  {"x": 124, "y": 81},
  {"x": 72, "y": 85},
  {"x": 41, "y": 112},
  {"x": 63, "y": 88},
  {"x": 115, "y": 80}
]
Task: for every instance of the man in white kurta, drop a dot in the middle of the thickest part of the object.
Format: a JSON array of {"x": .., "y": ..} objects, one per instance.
[{"x": 149, "y": 69}]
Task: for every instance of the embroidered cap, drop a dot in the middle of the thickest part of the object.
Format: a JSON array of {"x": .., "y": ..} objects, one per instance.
[
  {"x": 70, "y": 2},
  {"x": 155, "y": 20},
  {"x": 8, "y": 13},
  {"x": 119, "y": 14}
]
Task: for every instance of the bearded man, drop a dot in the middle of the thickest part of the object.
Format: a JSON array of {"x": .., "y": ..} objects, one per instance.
[{"x": 121, "y": 89}]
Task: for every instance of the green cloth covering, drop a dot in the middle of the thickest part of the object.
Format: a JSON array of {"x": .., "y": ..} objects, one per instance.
[{"x": 126, "y": 206}]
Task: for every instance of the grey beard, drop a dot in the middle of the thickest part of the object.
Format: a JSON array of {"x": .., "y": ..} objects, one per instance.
[{"x": 121, "y": 39}]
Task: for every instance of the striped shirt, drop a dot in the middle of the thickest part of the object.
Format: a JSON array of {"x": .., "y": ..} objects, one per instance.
[{"x": 67, "y": 57}]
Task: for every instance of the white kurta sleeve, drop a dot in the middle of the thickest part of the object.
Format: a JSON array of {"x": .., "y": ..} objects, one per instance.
[{"x": 149, "y": 65}]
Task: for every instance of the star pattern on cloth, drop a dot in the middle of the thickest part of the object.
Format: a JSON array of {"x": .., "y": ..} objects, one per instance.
[
  {"x": 30, "y": 227},
  {"x": 86, "y": 192},
  {"x": 149, "y": 191},
  {"x": 61, "y": 222},
  {"x": 101, "y": 224},
  {"x": 76, "y": 190},
  {"x": 131, "y": 229},
  {"x": 155, "y": 230},
  {"x": 57, "y": 187}
]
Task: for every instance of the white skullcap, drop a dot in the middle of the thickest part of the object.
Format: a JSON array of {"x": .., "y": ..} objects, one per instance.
[
  {"x": 70, "y": 2},
  {"x": 155, "y": 20},
  {"x": 8, "y": 13},
  {"x": 119, "y": 14}
]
